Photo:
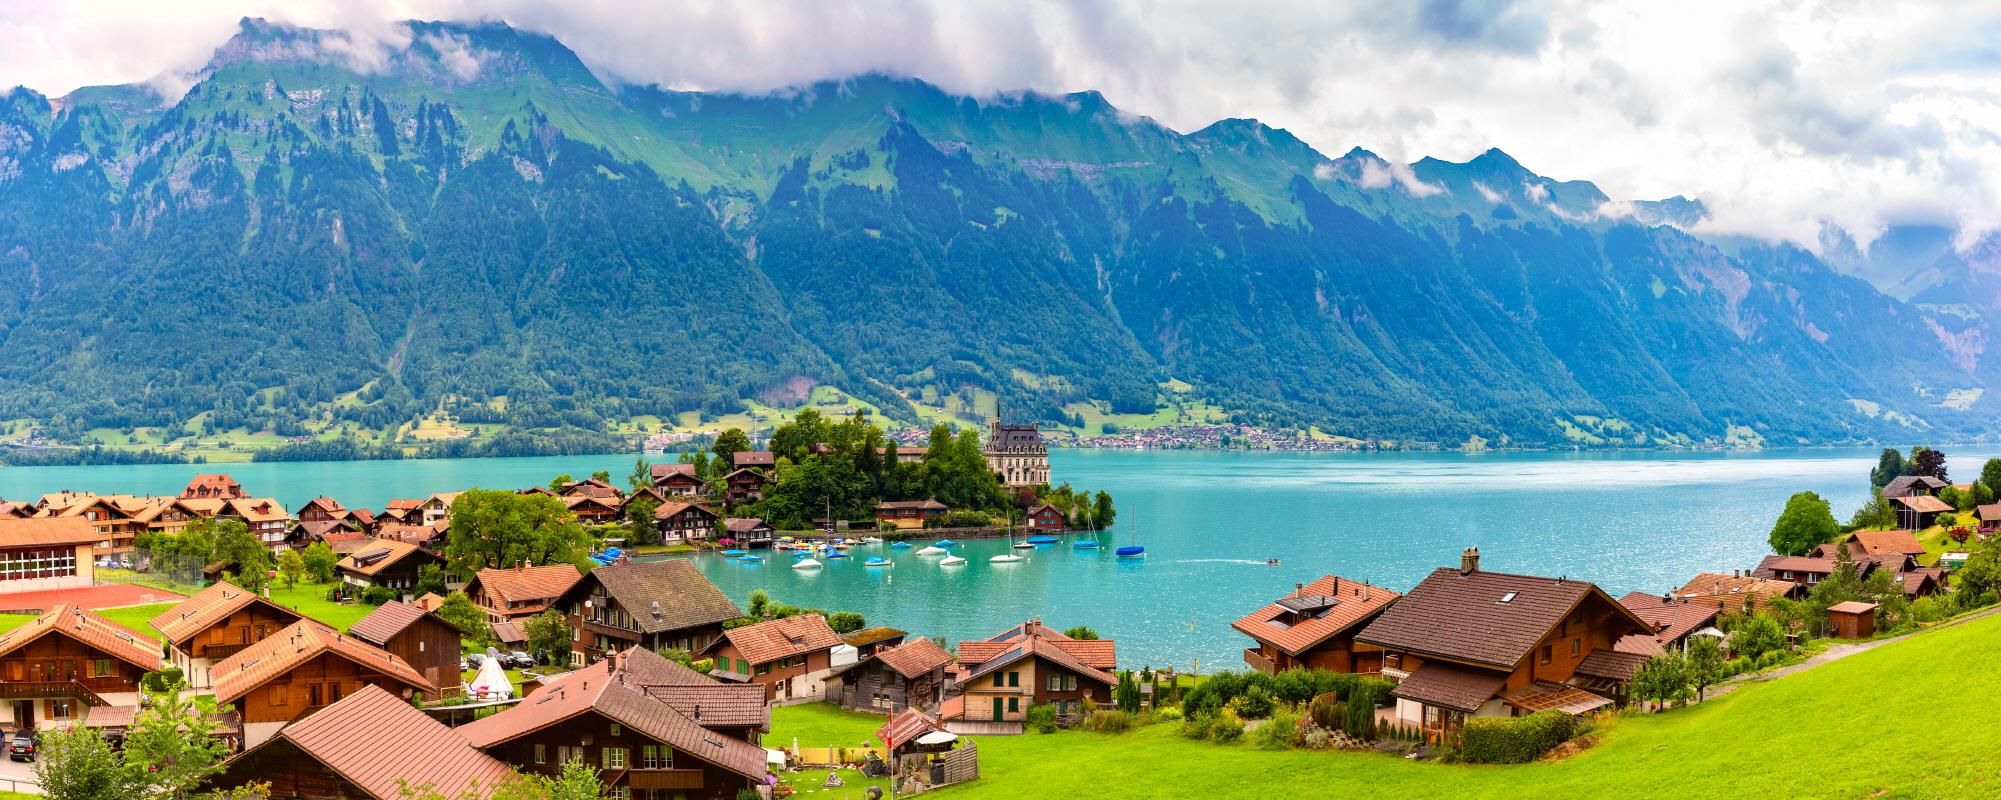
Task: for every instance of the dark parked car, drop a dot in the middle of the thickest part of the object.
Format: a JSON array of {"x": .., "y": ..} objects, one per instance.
[{"x": 23, "y": 746}]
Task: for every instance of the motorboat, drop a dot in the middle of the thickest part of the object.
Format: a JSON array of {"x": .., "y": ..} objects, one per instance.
[
  {"x": 871, "y": 540},
  {"x": 877, "y": 561},
  {"x": 806, "y": 563},
  {"x": 933, "y": 550},
  {"x": 1006, "y": 558},
  {"x": 952, "y": 561}
]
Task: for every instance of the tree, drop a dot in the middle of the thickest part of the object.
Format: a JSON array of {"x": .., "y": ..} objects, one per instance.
[
  {"x": 1705, "y": 663},
  {"x": 1990, "y": 475},
  {"x": 171, "y": 745},
  {"x": 641, "y": 477},
  {"x": 760, "y": 604},
  {"x": 1756, "y": 635},
  {"x": 845, "y": 622},
  {"x": 1875, "y": 514},
  {"x": 245, "y": 558},
  {"x": 1662, "y": 678},
  {"x": 77, "y": 764},
  {"x": 557, "y": 483},
  {"x": 548, "y": 634},
  {"x": 602, "y": 476},
  {"x": 1889, "y": 467},
  {"x": 1805, "y": 523},
  {"x": 1126, "y": 694},
  {"x": 320, "y": 560},
  {"x": 459, "y": 610},
  {"x": 1929, "y": 462},
  {"x": 726, "y": 446},
  {"x": 493, "y": 528},
  {"x": 1102, "y": 513},
  {"x": 291, "y": 568},
  {"x": 1082, "y": 633},
  {"x": 1981, "y": 575},
  {"x": 430, "y": 580},
  {"x": 639, "y": 519}
]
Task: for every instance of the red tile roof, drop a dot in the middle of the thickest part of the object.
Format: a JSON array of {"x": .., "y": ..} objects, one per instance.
[
  {"x": 47, "y": 531},
  {"x": 915, "y": 657},
  {"x": 537, "y": 586},
  {"x": 89, "y": 629},
  {"x": 1886, "y": 543},
  {"x": 208, "y": 607},
  {"x": 772, "y": 640},
  {"x": 904, "y": 727},
  {"x": 1671, "y": 621},
  {"x": 1330, "y": 605},
  {"x": 1100, "y": 654},
  {"x": 380, "y": 743},
  {"x": 298, "y": 644}
]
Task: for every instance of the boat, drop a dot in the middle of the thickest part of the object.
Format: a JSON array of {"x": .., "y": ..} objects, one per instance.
[
  {"x": 899, "y": 545},
  {"x": 1087, "y": 544},
  {"x": 876, "y": 561},
  {"x": 1042, "y": 539},
  {"x": 750, "y": 560},
  {"x": 1006, "y": 558},
  {"x": 951, "y": 561},
  {"x": 933, "y": 550},
  {"x": 944, "y": 543},
  {"x": 1015, "y": 545},
  {"x": 733, "y": 553},
  {"x": 1133, "y": 550},
  {"x": 836, "y": 555},
  {"x": 806, "y": 563},
  {"x": 871, "y": 540},
  {"x": 1024, "y": 546}
]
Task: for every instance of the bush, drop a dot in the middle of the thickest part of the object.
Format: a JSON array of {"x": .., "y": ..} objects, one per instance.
[
  {"x": 1254, "y": 704},
  {"x": 1771, "y": 659},
  {"x": 1328, "y": 711},
  {"x": 1515, "y": 740},
  {"x": 960, "y": 519},
  {"x": 1167, "y": 714},
  {"x": 1113, "y": 721},
  {"x": 1225, "y": 727},
  {"x": 1278, "y": 733},
  {"x": 1042, "y": 718},
  {"x": 1197, "y": 727},
  {"x": 1294, "y": 687},
  {"x": 1738, "y": 666},
  {"x": 163, "y": 679},
  {"x": 1363, "y": 697},
  {"x": 377, "y": 595},
  {"x": 1317, "y": 739}
]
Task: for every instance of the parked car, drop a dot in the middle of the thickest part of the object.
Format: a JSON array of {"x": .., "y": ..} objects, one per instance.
[
  {"x": 471, "y": 661},
  {"x": 522, "y": 660},
  {"x": 498, "y": 656},
  {"x": 23, "y": 746}
]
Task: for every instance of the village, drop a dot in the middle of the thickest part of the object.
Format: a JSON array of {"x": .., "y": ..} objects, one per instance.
[{"x": 335, "y": 652}]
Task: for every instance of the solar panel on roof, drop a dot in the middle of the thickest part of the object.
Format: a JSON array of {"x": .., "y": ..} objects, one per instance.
[{"x": 370, "y": 557}]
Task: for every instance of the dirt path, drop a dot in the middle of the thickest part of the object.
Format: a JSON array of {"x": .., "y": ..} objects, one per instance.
[{"x": 1835, "y": 653}]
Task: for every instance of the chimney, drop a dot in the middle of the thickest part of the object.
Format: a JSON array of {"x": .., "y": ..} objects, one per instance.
[
  {"x": 1298, "y": 588},
  {"x": 698, "y": 712},
  {"x": 1469, "y": 561},
  {"x": 1365, "y": 591},
  {"x": 1337, "y": 587}
]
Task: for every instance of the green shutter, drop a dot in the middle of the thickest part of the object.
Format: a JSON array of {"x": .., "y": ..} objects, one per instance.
[
  {"x": 997, "y": 709},
  {"x": 1013, "y": 704},
  {"x": 1000, "y": 679},
  {"x": 1014, "y": 679}
]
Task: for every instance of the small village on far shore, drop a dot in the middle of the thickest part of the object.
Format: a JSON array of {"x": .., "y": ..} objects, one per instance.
[{"x": 555, "y": 639}]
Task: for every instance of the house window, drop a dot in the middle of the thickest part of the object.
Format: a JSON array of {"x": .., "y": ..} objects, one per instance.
[
  {"x": 614, "y": 758},
  {"x": 541, "y": 754},
  {"x": 101, "y": 668},
  {"x": 614, "y": 729},
  {"x": 619, "y": 792},
  {"x": 1545, "y": 654},
  {"x": 657, "y": 756},
  {"x": 1014, "y": 679},
  {"x": 1576, "y": 646},
  {"x": 1013, "y": 704},
  {"x": 278, "y": 694},
  {"x": 312, "y": 694},
  {"x": 420, "y": 646},
  {"x": 61, "y": 709},
  {"x": 1061, "y": 683},
  {"x": 742, "y": 667},
  {"x": 1000, "y": 679},
  {"x": 333, "y": 692}
]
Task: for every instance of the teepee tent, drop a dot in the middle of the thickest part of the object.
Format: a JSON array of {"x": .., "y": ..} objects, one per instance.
[{"x": 491, "y": 683}]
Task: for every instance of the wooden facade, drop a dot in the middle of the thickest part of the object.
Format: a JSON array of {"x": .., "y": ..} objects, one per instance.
[
  {"x": 311, "y": 686},
  {"x": 874, "y": 686},
  {"x": 645, "y": 767},
  {"x": 432, "y": 646},
  {"x": 791, "y": 678},
  {"x": 252, "y": 624},
  {"x": 52, "y": 679},
  {"x": 1005, "y": 693},
  {"x": 294, "y": 774}
]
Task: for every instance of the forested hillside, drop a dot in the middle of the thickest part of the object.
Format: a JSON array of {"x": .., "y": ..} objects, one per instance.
[{"x": 481, "y": 229}]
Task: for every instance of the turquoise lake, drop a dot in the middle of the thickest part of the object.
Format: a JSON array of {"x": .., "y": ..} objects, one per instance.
[{"x": 1631, "y": 521}]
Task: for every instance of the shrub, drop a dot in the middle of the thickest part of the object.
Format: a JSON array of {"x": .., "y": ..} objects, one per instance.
[
  {"x": 1328, "y": 711},
  {"x": 377, "y": 595},
  {"x": 1279, "y": 732},
  {"x": 1317, "y": 739},
  {"x": 1197, "y": 726},
  {"x": 1226, "y": 727},
  {"x": 1771, "y": 659},
  {"x": 1042, "y": 718},
  {"x": 1516, "y": 740},
  {"x": 1295, "y": 687},
  {"x": 1113, "y": 721},
  {"x": 1167, "y": 714},
  {"x": 161, "y": 680},
  {"x": 1363, "y": 697},
  {"x": 1738, "y": 666},
  {"x": 1254, "y": 704}
]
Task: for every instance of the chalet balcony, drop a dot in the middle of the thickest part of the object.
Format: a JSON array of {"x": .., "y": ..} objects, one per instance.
[
  {"x": 663, "y": 778},
  {"x": 218, "y": 652},
  {"x": 1258, "y": 661},
  {"x": 84, "y": 691},
  {"x": 613, "y": 631},
  {"x": 1392, "y": 673}
]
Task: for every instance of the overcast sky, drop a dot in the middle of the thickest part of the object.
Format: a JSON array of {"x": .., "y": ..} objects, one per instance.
[{"x": 1785, "y": 117}]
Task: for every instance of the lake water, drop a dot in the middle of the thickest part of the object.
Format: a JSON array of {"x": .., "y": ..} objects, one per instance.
[{"x": 1630, "y": 521}]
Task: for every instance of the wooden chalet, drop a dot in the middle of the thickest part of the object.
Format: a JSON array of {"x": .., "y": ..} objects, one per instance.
[
  {"x": 213, "y": 486},
  {"x": 1989, "y": 516},
  {"x": 421, "y": 638},
  {"x": 1314, "y": 627},
  {"x": 1673, "y": 621},
  {"x": 1732, "y": 592},
  {"x": 592, "y": 487},
  {"x": 1027, "y": 665},
  {"x": 907, "y": 514},
  {"x": 13, "y": 510},
  {"x": 520, "y": 591},
  {"x": 685, "y": 522},
  {"x": 1913, "y": 486},
  {"x": 677, "y": 480},
  {"x": 753, "y": 459},
  {"x": 1895, "y": 544},
  {"x": 909, "y": 675},
  {"x": 42, "y": 553},
  {"x": 385, "y": 562},
  {"x": 654, "y": 605},
  {"x": 868, "y": 641},
  {"x": 435, "y": 511},
  {"x": 745, "y": 485},
  {"x": 68, "y": 659},
  {"x": 750, "y": 532},
  {"x": 304, "y": 668},
  {"x": 265, "y": 518},
  {"x": 1470, "y": 643},
  {"x": 651, "y": 731},
  {"x": 1047, "y": 518},
  {"x": 1919, "y": 511},
  {"x": 789, "y": 657},
  {"x": 370, "y": 744},
  {"x": 1805, "y": 571},
  {"x": 216, "y": 623},
  {"x": 401, "y": 512},
  {"x": 595, "y": 509}
]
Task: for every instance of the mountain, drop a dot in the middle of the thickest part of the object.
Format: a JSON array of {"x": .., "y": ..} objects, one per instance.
[{"x": 330, "y": 235}]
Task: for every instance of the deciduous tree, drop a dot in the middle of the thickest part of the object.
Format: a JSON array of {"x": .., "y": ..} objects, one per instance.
[
  {"x": 320, "y": 561},
  {"x": 549, "y": 635},
  {"x": 459, "y": 610},
  {"x": 1928, "y": 461},
  {"x": 291, "y": 568},
  {"x": 1705, "y": 663},
  {"x": 1805, "y": 523},
  {"x": 493, "y": 528},
  {"x": 77, "y": 764}
]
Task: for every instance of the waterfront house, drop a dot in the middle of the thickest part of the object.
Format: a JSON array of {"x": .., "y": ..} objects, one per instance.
[
  {"x": 1805, "y": 571},
  {"x": 606, "y": 716},
  {"x": 304, "y": 668},
  {"x": 1314, "y": 627},
  {"x": 265, "y": 518},
  {"x": 428, "y": 537},
  {"x": 421, "y": 638},
  {"x": 908, "y": 514},
  {"x": 370, "y": 744},
  {"x": 1017, "y": 454},
  {"x": 591, "y": 487},
  {"x": 1029, "y": 664},
  {"x": 520, "y": 591},
  {"x": 753, "y": 459},
  {"x": 1913, "y": 486},
  {"x": 1989, "y": 516},
  {"x": 67, "y": 659},
  {"x": 685, "y": 522},
  {"x": 745, "y": 485},
  {"x": 401, "y": 512},
  {"x": 749, "y": 532},
  {"x": 213, "y": 486},
  {"x": 1673, "y": 620},
  {"x": 1852, "y": 620},
  {"x": 676, "y": 480},
  {"x": 1732, "y": 592},
  {"x": 46, "y": 553},
  {"x": 385, "y": 562},
  {"x": 654, "y": 605},
  {"x": 909, "y": 675},
  {"x": 1875, "y": 543},
  {"x": 216, "y": 623},
  {"x": 594, "y": 509},
  {"x": 868, "y": 641},
  {"x": 1918, "y": 512},
  {"x": 1467, "y": 642},
  {"x": 789, "y": 657},
  {"x": 1047, "y": 518}
]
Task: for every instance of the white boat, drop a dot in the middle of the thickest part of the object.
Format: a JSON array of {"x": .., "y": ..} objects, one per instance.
[
  {"x": 871, "y": 540},
  {"x": 1006, "y": 558},
  {"x": 806, "y": 563},
  {"x": 933, "y": 550},
  {"x": 951, "y": 561}
]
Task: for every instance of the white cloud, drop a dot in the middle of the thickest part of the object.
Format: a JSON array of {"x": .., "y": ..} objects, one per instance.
[
  {"x": 1785, "y": 117},
  {"x": 1491, "y": 195}
]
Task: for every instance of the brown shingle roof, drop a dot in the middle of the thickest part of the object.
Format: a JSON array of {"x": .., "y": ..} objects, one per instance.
[
  {"x": 1611, "y": 664},
  {"x": 915, "y": 657},
  {"x": 668, "y": 510},
  {"x": 687, "y": 599},
  {"x": 210, "y": 606},
  {"x": 753, "y": 458},
  {"x": 1730, "y": 591},
  {"x": 776, "y": 639},
  {"x": 534, "y": 585},
  {"x": 1329, "y": 606},
  {"x": 1886, "y": 543},
  {"x": 398, "y": 550},
  {"x": 1851, "y": 607},
  {"x": 1670, "y": 621},
  {"x": 1923, "y": 503},
  {"x": 904, "y": 727},
  {"x": 599, "y": 688},
  {"x": 304, "y": 641},
  {"x": 386, "y": 621},
  {"x": 1449, "y": 685},
  {"x": 868, "y": 636},
  {"x": 89, "y": 629},
  {"x": 1100, "y": 654},
  {"x": 508, "y": 632},
  {"x": 1480, "y": 617},
  {"x": 381, "y": 744},
  {"x": 46, "y": 531}
]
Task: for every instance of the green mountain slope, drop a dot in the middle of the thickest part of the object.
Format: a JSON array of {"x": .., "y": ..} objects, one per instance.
[{"x": 323, "y": 237}]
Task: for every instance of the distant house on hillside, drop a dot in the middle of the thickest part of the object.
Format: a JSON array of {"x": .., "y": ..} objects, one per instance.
[
  {"x": 745, "y": 485},
  {"x": 385, "y": 562},
  {"x": 1913, "y": 486},
  {"x": 1989, "y": 516},
  {"x": 1674, "y": 620},
  {"x": 753, "y": 459},
  {"x": 676, "y": 480},
  {"x": 685, "y": 522},
  {"x": 1918, "y": 512},
  {"x": 907, "y": 514},
  {"x": 1731, "y": 592}
]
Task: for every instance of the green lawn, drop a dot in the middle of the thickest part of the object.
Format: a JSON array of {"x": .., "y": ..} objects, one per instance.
[
  {"x": 824, "y": 725},
  {"x": 138, "y": 618},
  {"x": 9, "y": 622},
  {"x": 311, "y": 600},
  {"x": 1846, "y": 729}
]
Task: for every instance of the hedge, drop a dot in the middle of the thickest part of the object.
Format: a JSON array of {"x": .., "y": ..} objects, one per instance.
[{"x": 1515, "y": 740}]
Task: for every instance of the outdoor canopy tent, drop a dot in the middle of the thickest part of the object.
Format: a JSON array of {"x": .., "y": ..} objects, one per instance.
[{"x": 491, "y": 683}]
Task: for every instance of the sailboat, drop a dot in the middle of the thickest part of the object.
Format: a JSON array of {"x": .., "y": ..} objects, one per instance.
[
  {"x": 877, "y": 561},
  {"x": 1132, "y": 550},
  {"x": 1010, "y": 537}
]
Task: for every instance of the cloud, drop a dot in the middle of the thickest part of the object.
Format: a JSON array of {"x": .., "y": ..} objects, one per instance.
[
  {"x": 455, "y": 54},
  {"x": 1491, "y": 195},
  {"x": 1787, "y": 118}
]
